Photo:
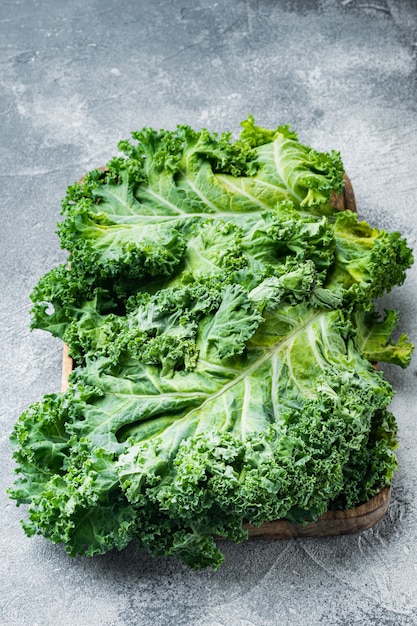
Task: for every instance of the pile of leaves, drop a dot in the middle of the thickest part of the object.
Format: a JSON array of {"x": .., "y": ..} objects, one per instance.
[{"x": 221, "y": 315}]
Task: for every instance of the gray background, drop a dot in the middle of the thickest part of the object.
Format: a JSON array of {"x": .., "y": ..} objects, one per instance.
[{"x": 77, "y": 76}]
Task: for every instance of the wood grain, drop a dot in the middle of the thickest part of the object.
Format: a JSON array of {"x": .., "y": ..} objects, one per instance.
[
  {"x": 332, "y": 522},
  {"x": 345, "y": 200}
]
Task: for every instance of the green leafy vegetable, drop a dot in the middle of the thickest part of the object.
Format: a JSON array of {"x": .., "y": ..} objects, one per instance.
[{"x": 221, "y": 315}]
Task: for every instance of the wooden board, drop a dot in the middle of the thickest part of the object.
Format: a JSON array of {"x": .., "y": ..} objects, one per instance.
[
  {"x": 332, "y": 522},
  {"x": 346, "y": 200},
  {"x": 67, "y": 367}
]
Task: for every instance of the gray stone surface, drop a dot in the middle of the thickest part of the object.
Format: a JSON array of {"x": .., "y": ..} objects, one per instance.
[{"x": 75, "y": 77}]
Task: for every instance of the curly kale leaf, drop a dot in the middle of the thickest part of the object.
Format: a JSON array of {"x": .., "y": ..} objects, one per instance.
[
  {"x": 255, "y": 436},
  {"x": 374, "y": 336},
  {"x": 134, "y": 223},
  {"x": 368, "y": 261}
]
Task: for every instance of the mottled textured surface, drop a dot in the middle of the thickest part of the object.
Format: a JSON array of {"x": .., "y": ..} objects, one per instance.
[{"x": 75, "y": 77}]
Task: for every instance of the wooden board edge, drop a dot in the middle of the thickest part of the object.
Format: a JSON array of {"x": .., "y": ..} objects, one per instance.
[
  {"x": 332, "y": 523},
  {"x": 346, "y": 199},
  {"x": 67, "y": 367}
]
